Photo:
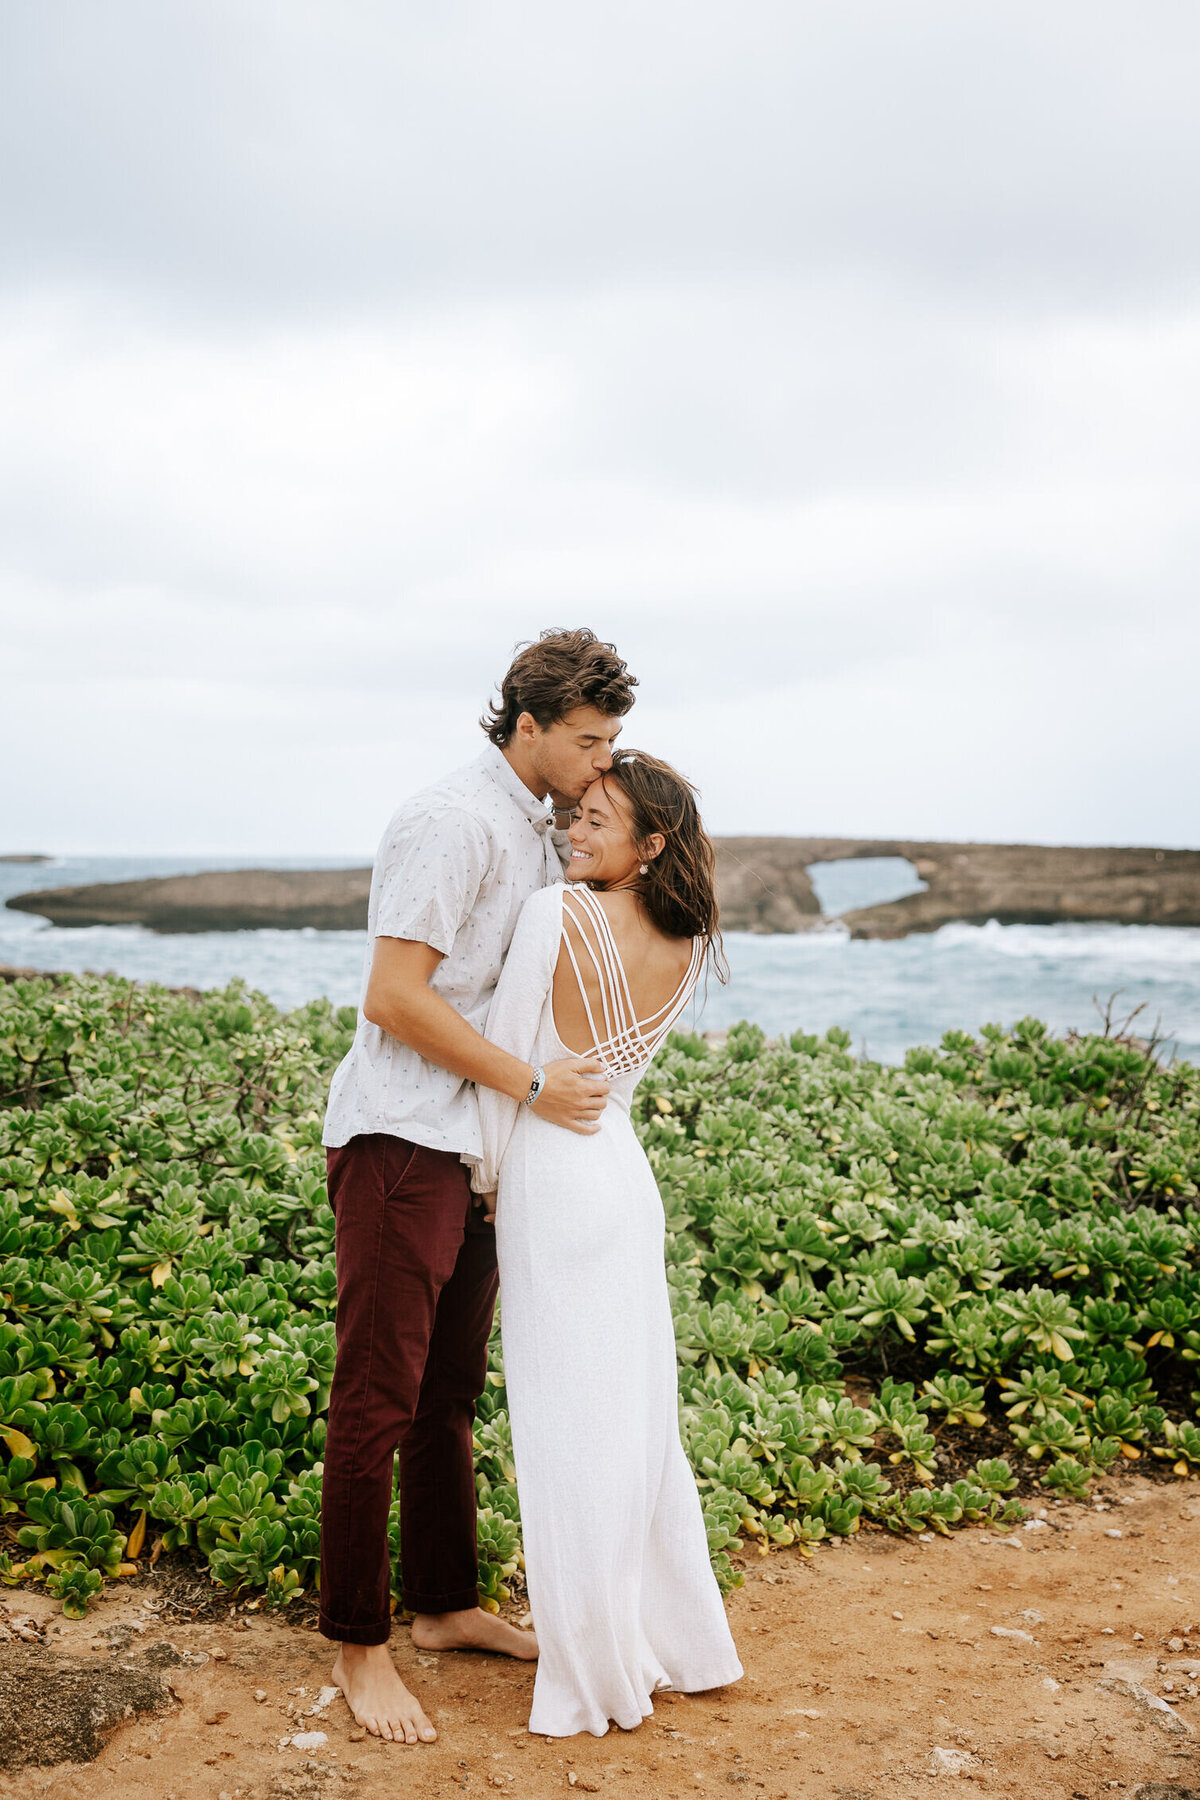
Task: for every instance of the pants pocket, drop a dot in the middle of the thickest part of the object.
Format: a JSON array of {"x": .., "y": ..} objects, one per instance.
[{"x": 398, "y": 1158}]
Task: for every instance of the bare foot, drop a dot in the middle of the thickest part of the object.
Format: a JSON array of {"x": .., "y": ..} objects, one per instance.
[
  {"x": 472, "y": 1630},
  {"x": 377, "y": 1697}
]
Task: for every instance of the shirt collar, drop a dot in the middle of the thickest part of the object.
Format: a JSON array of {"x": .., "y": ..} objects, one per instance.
[{"x": 506, "y": 778}]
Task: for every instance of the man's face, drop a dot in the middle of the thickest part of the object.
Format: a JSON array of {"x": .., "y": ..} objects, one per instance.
[{"x": 570, "y": 754}]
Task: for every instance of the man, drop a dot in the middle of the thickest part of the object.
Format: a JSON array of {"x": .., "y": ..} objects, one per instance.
[{"x": 416, "y": 1260}]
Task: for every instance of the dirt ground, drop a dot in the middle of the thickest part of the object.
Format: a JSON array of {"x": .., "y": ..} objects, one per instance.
[{"x": 873, "y": 1672}]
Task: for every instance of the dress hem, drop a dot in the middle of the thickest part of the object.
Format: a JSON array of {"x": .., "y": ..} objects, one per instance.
[{"x": 691, "y": 1686}]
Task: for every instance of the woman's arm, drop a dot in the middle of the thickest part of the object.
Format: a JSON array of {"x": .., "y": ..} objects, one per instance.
[{"x": 512, "y": 1027}]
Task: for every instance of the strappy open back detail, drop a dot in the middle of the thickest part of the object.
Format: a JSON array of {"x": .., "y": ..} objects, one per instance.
[{"x": 626, "y": 1044}]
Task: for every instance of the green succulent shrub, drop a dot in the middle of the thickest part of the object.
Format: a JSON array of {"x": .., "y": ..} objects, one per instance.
[{"x": 867, "y": 1265}]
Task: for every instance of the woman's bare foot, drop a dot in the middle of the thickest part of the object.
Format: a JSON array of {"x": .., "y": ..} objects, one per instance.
[
  {"x": 472, "y": 1630},
  {"x": 377, "y": 1697}
]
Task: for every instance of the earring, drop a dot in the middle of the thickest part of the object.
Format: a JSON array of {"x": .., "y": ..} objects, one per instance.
[{"x": 645, "y": 869}]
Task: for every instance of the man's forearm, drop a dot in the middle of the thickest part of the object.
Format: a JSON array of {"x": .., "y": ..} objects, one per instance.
[{"x": 430, "y": 1026}]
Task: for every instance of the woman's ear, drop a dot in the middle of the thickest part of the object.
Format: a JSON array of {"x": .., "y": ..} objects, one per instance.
[{"x": 654, "y": 846}]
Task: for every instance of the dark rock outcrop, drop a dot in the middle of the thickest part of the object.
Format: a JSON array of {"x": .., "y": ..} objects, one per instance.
[
  {"x": 764, "y": 887},
  {"x": 56, "y": 1709},
  {"x": 217, "y": 900},
  {"x": 1028, "y": 884},
  {"x": 1034, "y": 884}
]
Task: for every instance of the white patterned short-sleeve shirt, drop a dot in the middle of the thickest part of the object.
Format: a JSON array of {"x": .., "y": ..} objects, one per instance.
[{"x": 455, "y": 866}]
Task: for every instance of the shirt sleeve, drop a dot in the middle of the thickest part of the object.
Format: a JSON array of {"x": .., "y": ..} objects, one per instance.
[
  {"x": 432, "y": 871},
  {"x": 513, "y": 1020}
]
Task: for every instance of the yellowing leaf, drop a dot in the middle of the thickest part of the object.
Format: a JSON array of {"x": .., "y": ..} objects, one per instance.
[
  {"x": 19, "y": 1444},
  {"x": 136, "y": 1538},
  {"x": 160, "y": 1274}
]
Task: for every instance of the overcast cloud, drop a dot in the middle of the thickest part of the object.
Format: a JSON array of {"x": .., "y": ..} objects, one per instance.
[{"x": 841, "y": 362}]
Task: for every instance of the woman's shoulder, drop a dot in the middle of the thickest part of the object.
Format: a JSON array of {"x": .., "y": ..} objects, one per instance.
[
  {"x": 636, "y": 933},
  {"x": 545, "y": 903}
]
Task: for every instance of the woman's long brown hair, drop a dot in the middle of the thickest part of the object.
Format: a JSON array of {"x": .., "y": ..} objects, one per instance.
[{"x": 679, "y": 888}]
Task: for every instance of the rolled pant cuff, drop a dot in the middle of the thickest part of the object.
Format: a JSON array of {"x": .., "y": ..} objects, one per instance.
[
  {"x": 465, "y": 1600},
  {"x": 354, "y": 1634}
]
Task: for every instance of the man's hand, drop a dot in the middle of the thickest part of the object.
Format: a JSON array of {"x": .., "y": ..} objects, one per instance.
[
  {"x": 575, "y": 1094},
  {"x": 487, "y": 1202}
]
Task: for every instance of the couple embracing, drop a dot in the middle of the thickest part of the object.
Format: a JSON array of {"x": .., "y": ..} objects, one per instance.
[{"x": 478, "y": 1134}]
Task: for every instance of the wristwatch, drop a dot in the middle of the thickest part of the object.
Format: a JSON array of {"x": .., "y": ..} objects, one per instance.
[{"x": 536, "y": 1086}]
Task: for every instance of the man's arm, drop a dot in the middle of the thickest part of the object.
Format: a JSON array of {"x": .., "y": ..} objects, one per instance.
[{"x": 400, "y": 1001}]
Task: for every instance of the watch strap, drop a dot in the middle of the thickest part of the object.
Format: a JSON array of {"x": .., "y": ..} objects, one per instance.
[{"x": 536, "y": 1086}]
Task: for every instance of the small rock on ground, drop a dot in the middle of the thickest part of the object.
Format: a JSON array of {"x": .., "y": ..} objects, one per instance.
[
  {"x": 951, "y": 1762},
  {"x": 1160, "y": 1712},
  {"x": 305, "y": 1740}
]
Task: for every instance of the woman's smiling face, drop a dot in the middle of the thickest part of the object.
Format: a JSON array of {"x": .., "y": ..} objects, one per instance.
[{"x": 602, "y": 846}]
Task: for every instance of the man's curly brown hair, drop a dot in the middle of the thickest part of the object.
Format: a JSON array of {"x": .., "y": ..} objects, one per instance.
[{"x": 552, "y": 675}]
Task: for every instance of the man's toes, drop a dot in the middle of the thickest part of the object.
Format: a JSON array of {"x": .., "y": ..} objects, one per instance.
[{"x": 418, "y": 1730}]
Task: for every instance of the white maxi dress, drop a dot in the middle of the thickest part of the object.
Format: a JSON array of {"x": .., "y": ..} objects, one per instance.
[{"x": 621, "y": 1589}]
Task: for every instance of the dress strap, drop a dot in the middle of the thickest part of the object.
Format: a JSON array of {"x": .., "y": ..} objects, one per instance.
[{"x": 627, "y": 1042}]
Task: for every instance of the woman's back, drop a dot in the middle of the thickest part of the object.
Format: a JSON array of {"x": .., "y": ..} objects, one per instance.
[{"x": 619, "y": 979}]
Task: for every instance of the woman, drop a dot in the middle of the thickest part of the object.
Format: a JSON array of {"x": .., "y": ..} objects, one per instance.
[{"x": 623, "y": 1596}]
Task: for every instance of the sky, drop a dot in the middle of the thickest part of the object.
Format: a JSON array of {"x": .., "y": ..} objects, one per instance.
[{"x": 840, "y": 363}]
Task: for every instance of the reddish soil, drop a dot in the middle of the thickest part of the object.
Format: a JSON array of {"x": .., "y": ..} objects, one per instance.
[{"x": 861, "y": 1663}]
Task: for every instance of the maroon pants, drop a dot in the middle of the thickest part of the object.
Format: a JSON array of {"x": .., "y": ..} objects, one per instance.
[{"x": 416, "y": 1280}]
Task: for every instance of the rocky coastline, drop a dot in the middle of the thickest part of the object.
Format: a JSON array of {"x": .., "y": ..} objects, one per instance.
[
  {"x": 1015, "y": 884},
  {"x": 764, "y": 886}
]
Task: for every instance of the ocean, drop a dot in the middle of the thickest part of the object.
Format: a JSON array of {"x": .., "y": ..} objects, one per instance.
[{"x": 887, "y": 995}]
